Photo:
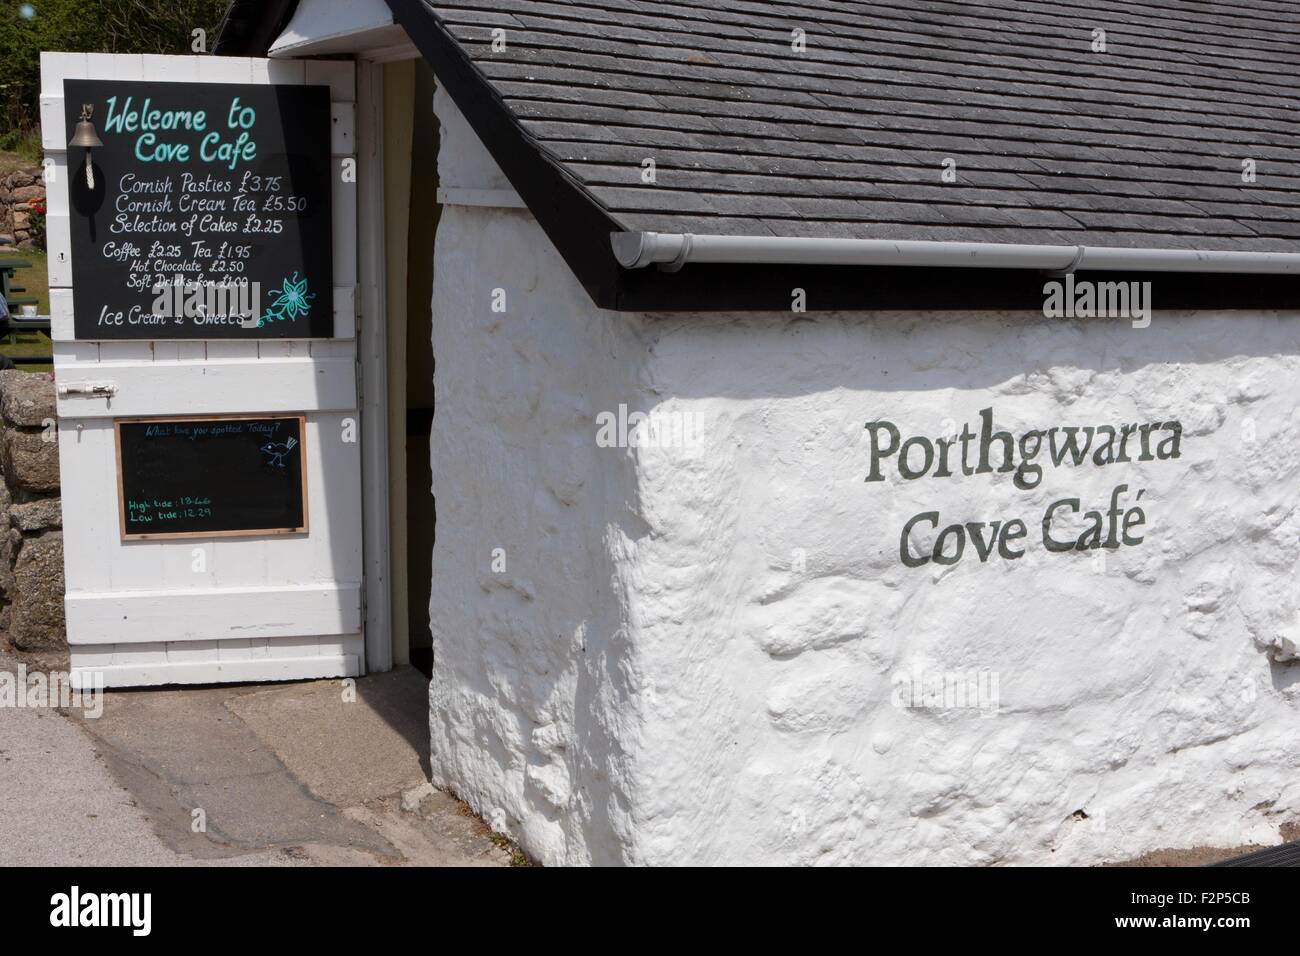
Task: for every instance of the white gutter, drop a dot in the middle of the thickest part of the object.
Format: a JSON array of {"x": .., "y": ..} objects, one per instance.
[{"x": 635, "y": 250}]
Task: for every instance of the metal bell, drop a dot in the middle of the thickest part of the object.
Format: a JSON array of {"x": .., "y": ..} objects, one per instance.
[
  {"x": 85, "y": 134},
  {"x": 86, "y": 137}
]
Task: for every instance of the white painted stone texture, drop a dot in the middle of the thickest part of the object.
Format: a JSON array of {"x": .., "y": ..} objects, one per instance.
[{"x": 708, "y": 649}]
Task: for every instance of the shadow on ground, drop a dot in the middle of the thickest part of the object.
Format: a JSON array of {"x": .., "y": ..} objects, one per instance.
[{"x": 314, "y": 771}]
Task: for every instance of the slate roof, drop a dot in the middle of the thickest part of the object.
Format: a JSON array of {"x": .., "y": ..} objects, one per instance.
[{"x": 1139, "y": 146}]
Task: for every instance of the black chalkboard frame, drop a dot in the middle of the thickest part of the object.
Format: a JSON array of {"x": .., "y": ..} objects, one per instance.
[{"x": 239, "y": 533}]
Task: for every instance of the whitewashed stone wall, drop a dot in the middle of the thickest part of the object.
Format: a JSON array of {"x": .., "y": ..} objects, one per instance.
[
  {"x": 706, "y": 654},
  {"x": 532, "y": 709}
]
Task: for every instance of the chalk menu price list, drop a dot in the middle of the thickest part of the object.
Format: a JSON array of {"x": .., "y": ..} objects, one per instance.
[{"x": 210, "y": 213}]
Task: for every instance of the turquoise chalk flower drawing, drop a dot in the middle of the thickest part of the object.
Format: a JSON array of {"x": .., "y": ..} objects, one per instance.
[{"x": 288, "y": 302}]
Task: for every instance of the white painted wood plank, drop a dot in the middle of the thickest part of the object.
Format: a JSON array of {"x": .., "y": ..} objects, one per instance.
[
  {"x": 96, "y": 655},
  {"x": 56, "y": 67},
  {"x": 145, "y": 652},
  {"x": 56, "y": 171},
  {"x": 367, "y": 217},
  {"x": 130, "y": 351},
  {"x": 163, "y": 68},
  {"x": 224, "y": 69},
  {"x": 281, "y": 348},
  {"x": 345, "y": 232},
  {"x": 61, "y": 322},
  {"x": 212, "y": 387},
  {"x": 234, "y": 650},
  {"x": 338, "y": 75},
  {"x": 333, "y": 348},
  {"x": 54, "y": 127},
  {"x": 279, "y": 72},
  {"x": 115, "y": 66},
  {"x": 232, "y": 349},
  {"x": 130, "y": 562},
  {"x": 190, "y": 652},
  {"x": 212, "y": 672},
  {"x": 345, "y": 312},
  {"x": 187, "y": 564},
  {"x": 334, "y": 498},
  {"x": 82, "y": 352},
  {"x": 86, "y": 469},
  {"x": 343, "y": 129},
  {"x": 258, "y": 562},
  {"x": 199, "y": 614},
  {"x": 58, "y": 237},
  {"x": 94, "y": 558},
  {"x": 304, "y": 646},
  {"x": 330, "y": 645},
  {"x": 124, "y": 66}
]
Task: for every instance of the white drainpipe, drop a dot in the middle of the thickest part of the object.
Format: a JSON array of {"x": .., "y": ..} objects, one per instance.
[{"x": 634, "y": 250}]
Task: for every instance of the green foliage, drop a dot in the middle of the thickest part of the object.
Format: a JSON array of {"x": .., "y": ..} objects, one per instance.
[
  {"x": 87, "y": 26},
  {"x": 25, "y": 143}
]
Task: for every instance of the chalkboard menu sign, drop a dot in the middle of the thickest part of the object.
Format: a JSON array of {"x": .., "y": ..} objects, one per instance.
[
  {"x": 207, "y": 212},
  {"x": 208, "y": 477}
]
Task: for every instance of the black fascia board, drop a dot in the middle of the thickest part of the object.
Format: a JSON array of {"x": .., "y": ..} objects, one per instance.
[
  {"x": 251, "y": 26},
  {"x": 699, "y": 287}
]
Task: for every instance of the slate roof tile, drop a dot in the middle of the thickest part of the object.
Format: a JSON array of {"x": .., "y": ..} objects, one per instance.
[{"x": 1141, "y": 145}]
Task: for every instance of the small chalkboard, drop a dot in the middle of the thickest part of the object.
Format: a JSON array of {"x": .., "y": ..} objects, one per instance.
[
  {"x": 211, "y": 477},
  {"x": 207, "y": 212}
]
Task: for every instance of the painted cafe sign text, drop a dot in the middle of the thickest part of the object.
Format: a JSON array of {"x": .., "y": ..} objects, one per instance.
[
  {"x": 209, "y": 212},
  {"x": 1111, "y": 524}
]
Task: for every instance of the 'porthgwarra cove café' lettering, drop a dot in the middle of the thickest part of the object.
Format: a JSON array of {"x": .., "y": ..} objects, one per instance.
[{"x": 1117, "y": 523}]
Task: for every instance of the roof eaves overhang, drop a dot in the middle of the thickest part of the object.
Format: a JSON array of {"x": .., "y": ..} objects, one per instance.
[
  {"x": 574, "y": 222},
  {"x": 764, "y": 273}
]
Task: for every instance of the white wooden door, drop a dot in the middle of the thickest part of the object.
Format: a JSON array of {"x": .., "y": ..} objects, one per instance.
[{"x": 224, "y": 608}]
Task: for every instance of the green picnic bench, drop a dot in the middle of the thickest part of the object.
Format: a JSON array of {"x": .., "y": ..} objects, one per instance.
[{"x": 8, "y": 268}]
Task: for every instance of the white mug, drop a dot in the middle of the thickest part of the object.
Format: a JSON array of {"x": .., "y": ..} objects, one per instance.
[{"x": 29, "y": 312}]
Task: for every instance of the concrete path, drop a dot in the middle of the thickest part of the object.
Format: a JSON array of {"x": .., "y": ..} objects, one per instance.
[{"x": 284, "y": 774}]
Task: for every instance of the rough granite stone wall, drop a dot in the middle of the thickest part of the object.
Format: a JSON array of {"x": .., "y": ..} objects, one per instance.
[
  {"x": 18, "y": 191},
  {"x": 706, "y": 647},
  {"x": 31, "y": 549}
]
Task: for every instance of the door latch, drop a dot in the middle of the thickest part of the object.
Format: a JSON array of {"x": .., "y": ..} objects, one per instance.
[{"x": 87, "y": 389}]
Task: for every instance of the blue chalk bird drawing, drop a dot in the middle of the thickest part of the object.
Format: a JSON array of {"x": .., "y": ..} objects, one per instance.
[
  {"x": 290, "y": 301},
  {"x": 275, "y": 451}
]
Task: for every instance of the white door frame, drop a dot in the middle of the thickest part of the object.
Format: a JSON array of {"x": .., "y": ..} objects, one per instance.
[{"x": 372, "y": 367}]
